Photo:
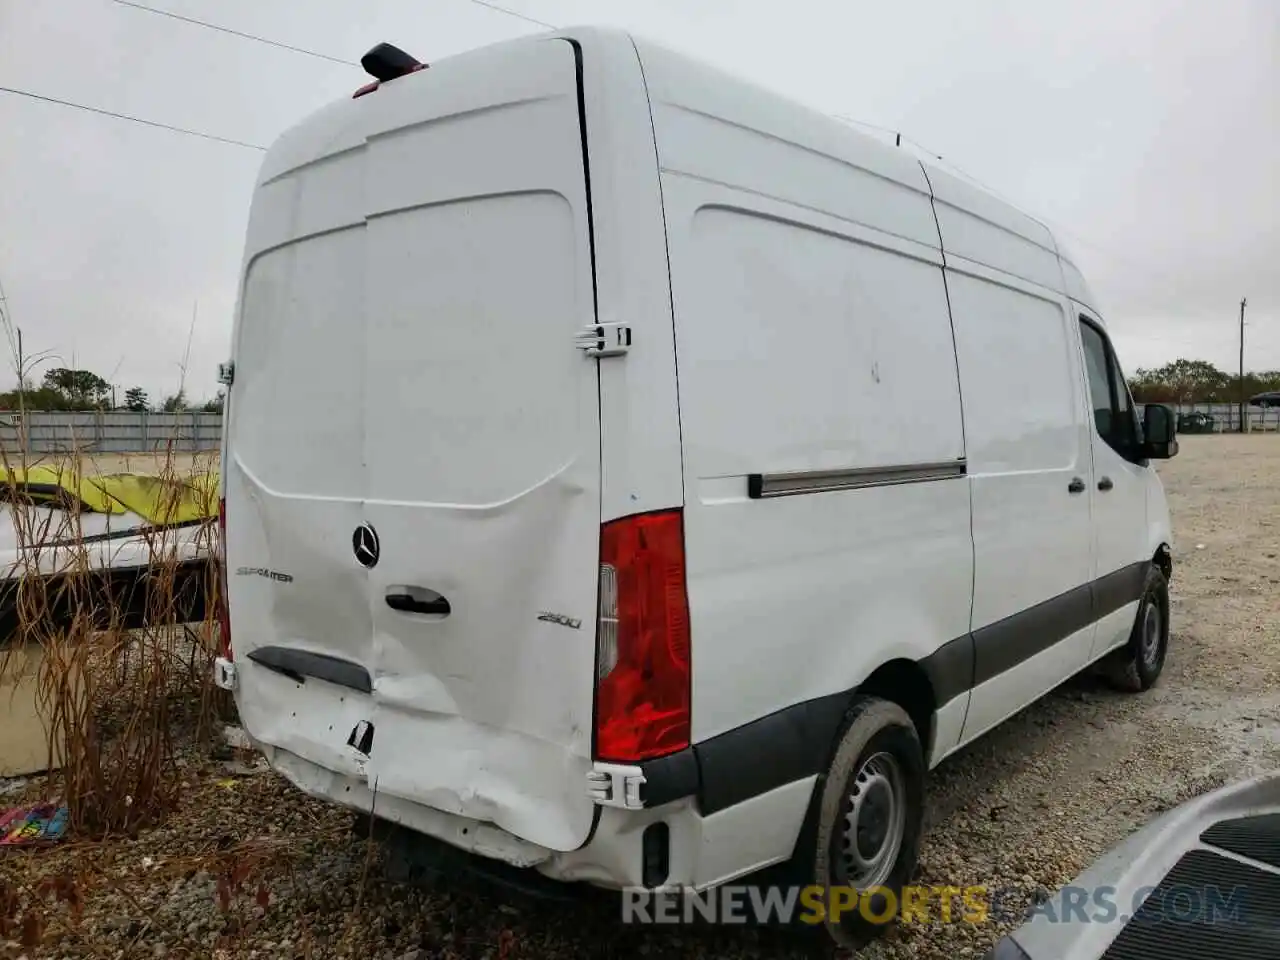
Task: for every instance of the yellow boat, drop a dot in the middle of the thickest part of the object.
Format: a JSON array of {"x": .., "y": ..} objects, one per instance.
[
  {"x": 119, "y": 529},
  {"x": 160, "y": 500}
]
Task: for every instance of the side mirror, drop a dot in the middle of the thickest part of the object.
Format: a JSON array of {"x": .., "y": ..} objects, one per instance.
[{"x": 1160, "y": 439}]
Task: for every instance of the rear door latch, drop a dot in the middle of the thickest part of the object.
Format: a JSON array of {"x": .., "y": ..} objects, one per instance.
[{"x": 604, "y": 339}]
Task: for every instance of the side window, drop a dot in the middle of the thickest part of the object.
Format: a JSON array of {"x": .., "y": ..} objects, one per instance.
[
  {"x": 1112, "y": 409},
  {"x": 1125, "y": 423},
  {"x": 1095, "y": 365}
]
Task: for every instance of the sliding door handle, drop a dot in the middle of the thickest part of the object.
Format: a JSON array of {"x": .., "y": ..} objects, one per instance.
[
  {"x": 1075, "y": 486},
  {"x": 1105, "y": 484}
]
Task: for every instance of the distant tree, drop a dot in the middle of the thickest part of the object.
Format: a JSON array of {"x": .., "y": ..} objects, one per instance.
[
  {"x": 1182, "y": 381},
  {"x": 135, "y": 399},
  {"x": 1147, "y": 387},
  {"x": 1197, "y": 381},
  {"x": 41, "y": 399},
  {"x": 175, "y": 402},
  {"x": 214, "y": 405},
  {"x": 82, "y": 389},
  {"x": 1194, "y": 380}
]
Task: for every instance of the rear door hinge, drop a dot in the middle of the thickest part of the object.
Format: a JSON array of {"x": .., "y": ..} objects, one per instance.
[
  {"x": 604, "y": 339},
  {"x": 226, "y": 372}
]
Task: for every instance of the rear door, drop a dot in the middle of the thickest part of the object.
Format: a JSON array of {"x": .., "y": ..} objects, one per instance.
[{"x": 415, "y": 443}]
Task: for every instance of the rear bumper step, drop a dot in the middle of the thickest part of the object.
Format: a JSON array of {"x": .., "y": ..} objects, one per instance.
[{"x": 300, "y": 664}]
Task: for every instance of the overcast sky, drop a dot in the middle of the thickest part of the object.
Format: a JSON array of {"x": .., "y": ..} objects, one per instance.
[{"x": 1147, "y": 132}]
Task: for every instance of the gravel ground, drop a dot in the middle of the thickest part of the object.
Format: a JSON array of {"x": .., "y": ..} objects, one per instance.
[{"x": 1025, "y": 808}]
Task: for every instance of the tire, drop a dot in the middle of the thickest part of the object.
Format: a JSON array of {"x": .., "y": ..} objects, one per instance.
[
  {"x": 1136, "y": 666},
  {"x": 879, "y": 761}
]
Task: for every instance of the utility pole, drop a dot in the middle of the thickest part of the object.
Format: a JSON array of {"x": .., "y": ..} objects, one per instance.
[{"x": 1242, "y": 303}]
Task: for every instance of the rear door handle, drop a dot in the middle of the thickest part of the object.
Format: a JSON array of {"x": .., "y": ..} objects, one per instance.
[
  {"x": 1105, "y": 484},
  {"x": 1075, "y": 486},
  {"x": 408, "y": 599}
]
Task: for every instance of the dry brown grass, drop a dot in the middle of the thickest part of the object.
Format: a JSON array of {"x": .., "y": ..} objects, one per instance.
[{"x": 114, "y": 691}]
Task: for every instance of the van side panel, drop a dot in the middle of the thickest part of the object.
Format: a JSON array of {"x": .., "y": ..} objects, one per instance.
[
  {"x": 804, "y": 350},
  {"x": 811, "y": 331}
]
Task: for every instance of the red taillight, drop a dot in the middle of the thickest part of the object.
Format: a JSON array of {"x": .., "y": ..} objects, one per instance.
[
  {"x": 224, "y": 617},
  {"x": 642, "y": 641}
]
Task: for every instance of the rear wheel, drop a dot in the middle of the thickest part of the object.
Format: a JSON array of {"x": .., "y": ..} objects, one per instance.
[
  {"x": 1137, "y": 665},
  {"x": 867, "y": 821}
]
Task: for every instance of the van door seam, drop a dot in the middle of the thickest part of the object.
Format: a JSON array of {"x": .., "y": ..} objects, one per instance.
[
  {"x": 964, "y": 440},
  {"x": 666, "y": 237},
  {"x": 595, "y": 314}
]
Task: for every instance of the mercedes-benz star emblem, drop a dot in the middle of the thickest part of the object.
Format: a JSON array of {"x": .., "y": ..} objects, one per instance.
[{"x": 364, "y": 542}]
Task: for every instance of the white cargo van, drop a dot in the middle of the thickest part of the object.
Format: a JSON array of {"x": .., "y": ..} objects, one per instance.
[{"x": 636, "y": 477}]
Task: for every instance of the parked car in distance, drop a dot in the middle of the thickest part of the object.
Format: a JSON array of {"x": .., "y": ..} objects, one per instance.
[
  {"x": 1196, "y": 422},
  {"x": 698, "y": 471}
]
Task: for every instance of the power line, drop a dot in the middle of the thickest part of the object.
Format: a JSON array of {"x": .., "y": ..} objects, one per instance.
[
  {"x": 235, "y": 33},
  {"x": 488, "y": 4},
  {"x": 512, "y": 13},
  {"x": 132, "y": 119}
]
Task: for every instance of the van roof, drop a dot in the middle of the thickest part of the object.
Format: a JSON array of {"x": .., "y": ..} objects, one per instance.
[{"x": 975, "y": 224}]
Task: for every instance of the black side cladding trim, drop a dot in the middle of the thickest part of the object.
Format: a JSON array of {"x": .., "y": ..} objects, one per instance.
[
  {"x": 669, "y": 778},
  {"x": 1125, "y": 585},
  {"x": 950, "y": 669},
  {"x": 795, "y": 742},
  {"x": 768, "y": 753},
  {"x": 1208, "y": 907},
  {"x": 1257, "y": 838},
  {"x": 1003, "y": 645},
  {"x": 301, "y": 664}
]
